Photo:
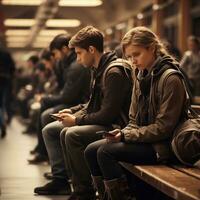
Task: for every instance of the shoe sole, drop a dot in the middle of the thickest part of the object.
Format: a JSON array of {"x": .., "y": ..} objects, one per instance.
[{"x": 52, "y": 193}]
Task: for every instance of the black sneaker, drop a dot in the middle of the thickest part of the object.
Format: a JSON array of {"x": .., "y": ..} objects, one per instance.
[
  {"x": 48, "y": 175},
  {"x": 38, "y": 158},
  {"x": 3, "y": 131},
  {"x": 55, "y": 187}
]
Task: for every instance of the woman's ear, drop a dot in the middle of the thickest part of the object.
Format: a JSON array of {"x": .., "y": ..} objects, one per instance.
[{"x": 91, "y": 49}]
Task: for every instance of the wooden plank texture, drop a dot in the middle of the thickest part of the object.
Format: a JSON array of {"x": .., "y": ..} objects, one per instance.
[
  {"x": 188, "y": 170},
  {"x": 172, "y": 182}
]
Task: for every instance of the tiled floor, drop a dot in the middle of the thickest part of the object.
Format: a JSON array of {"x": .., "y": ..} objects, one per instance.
[{"x": 17, "y": 177}]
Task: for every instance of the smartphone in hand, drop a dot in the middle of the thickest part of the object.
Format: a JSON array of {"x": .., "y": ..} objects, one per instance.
[
  {"x": 105, "y": 133},
  {"x": 56, "y": 116}
]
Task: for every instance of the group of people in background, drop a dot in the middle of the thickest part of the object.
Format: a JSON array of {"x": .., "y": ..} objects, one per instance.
[{"x": 92, "y": 111}]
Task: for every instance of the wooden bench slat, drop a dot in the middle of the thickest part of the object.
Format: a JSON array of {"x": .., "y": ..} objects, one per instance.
[
  {"x": 173, "y": 183},
  {"x": 190, "y": 171},
  {"x": 196, "y": 99}
]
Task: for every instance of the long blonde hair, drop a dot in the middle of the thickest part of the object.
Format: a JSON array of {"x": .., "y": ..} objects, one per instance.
[{"x": 144, "y": 37}]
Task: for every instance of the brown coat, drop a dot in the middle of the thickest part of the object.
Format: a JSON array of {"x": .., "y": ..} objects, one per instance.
[{"x": 167, "y": 113}]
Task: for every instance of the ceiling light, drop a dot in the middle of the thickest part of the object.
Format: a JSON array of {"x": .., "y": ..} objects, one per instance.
[
  {"x": 17, "y": 32},
  {"x": 44, "y": 39},
  {"x": 22, "y": 2},
  {"x": 40, "y": 45},
  {"x": 140, "y": 16},
  {"x": 19, "y": 22},
  {"x": 16, "y": 39},
  {"x": 62, "y": 23},
  {"x": 16, "y": 44},
  {"x": 68, "y": 3},
  {"x": 51, "y": 32},
  {"x": 120, "y": 26},
  {"x": 109, "y": 31},
  {"x": 80, "y": 3}
]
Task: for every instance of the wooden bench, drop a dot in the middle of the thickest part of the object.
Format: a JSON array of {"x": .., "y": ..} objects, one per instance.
[
  {"x": 196, "y": 100},
  {"x": 177, "y": 182}
]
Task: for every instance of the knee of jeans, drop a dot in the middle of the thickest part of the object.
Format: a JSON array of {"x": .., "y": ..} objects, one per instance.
[
  {"x": 102, "y": 152},
  {"x": 71, "y": 135},
  {"x": 90, "y": 151},
  {"x": 45, "y": 117},
  {"x": 63, "y": 133},
  {"x": 45, "y": 131}
]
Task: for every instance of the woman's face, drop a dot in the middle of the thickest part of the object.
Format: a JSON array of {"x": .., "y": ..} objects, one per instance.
[{"x": 140, "y": 57}]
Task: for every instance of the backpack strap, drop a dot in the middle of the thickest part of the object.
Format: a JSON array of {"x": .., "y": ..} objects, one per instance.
[
  {"x": 161, "y": 83},
  {"x": 163, "y": 78},
  {"x": 122, "y": 64},
  {"x": 126, "y": 67}
]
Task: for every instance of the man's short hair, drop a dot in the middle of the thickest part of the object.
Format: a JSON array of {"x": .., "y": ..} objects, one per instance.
[
  {"x": 59, "y": 42},
  {"x": 46, "y": 54},
  {"x": 88, "y": 36},
  {"x": 34, "y": 59}
]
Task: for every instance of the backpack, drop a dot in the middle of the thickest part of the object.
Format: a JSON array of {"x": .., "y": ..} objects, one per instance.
[
  {"x": 186, "y": 137},
  {"x": 126, "y": 67}
]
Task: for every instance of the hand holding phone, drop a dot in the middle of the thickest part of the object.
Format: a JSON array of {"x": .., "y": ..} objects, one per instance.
[
  {"x": 56, "y": 116},
  {"x": 105, "y": 133}
]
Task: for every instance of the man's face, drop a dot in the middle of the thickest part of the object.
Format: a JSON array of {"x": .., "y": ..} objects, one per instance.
[
  {"x": 48, "y": 64},
  {"x": 84, "y": 57},
  {"x": 57, "y": 54}
]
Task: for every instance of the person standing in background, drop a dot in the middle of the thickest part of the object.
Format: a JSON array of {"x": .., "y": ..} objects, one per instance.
[
  {"x": 190, "y": 63},
  {"x": 7, "y": 69}
]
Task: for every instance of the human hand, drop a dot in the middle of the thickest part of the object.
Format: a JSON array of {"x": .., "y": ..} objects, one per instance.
[
  {"x": 67, "y": 110},
  {"x": 114, "y": 136},
  {"x": 68, "y": 119}
]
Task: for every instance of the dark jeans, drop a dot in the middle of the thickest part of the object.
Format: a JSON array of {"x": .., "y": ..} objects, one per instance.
[
  {"x": 44, "y": 119},
  {"x": 74, "y": 140},
  {"x": 103, "y": 157}
]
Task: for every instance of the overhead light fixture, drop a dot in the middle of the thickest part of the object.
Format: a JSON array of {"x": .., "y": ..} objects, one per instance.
[
  {"x": 40, "y": 45},
  {"x": 16, "y": 39},
  {"x": 109, "y": 31},
  {"x": 19, "y": 22},
  {"x": 140, "y": 16},
  {"x": 44, "y": 39},
  {"x": 67, "y": 3},
  {"x": 22, "y": 2},
  {"x": 51, "y": 32},
  {"x": 156, "y": 7},
  {"x": 120, "y": 26},
  {"x": 16, "y": 44},
  {"x": 63, "y": 23},
  {"x": 80, "y": 3},
  {"x": 17, "y": 32}
]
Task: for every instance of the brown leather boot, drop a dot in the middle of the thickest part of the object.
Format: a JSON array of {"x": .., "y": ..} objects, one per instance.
[
  {"x": 99, "y": 186},
  {"x": 118, "y": 189}
]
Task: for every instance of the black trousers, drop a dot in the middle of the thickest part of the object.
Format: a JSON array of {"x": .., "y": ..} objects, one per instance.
[{"x": 103, "y": 157}]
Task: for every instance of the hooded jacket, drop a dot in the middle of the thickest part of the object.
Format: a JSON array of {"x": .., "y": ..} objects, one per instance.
[
  {"x": 160, "y": 115},
  {"x": 76, "y": 84},
  {"x": 107, "y": 102}
]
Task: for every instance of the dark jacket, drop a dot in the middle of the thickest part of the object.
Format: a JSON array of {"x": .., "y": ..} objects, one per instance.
[
  {"x": 76, "y": 84},
  {"x": 107, "y": 102},
  {"x": 155, "y": 122}
]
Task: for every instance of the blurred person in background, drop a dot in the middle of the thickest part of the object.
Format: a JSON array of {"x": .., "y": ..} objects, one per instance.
[
  {"x": 75, "y": 90},
  {"x": 27, "y": 92},
  {"x": 7, "y": 70},
  {"x": 190, "y": 63}
]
